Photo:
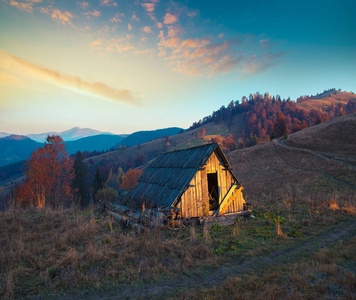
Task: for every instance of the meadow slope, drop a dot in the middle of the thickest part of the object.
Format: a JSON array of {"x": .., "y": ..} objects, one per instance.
[{"x": 317, "y": 160}]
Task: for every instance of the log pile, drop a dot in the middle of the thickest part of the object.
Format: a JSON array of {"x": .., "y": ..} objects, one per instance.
[{"x": 147, "y": 219}]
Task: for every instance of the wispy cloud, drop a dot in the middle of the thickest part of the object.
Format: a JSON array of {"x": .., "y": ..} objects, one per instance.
[
  {"x": 257, "y": 63},
  {"x": 93, "y": 13},
  {"x": 202, "y": 57},
  {"x": 134, "y": 17},
  {"x": 23, "y": 6},
  {"x": 146, "y": 29},
  {"x": 117, "y": 18},
  {"x": 169, "y": 18},
  {"x": 107, "y": 3},
  {"x": 149, "y": 7},
  {"x": 82, "y": 4},
  {"x": 75, "y": 83},
  {"x": 63, "y": 16}
]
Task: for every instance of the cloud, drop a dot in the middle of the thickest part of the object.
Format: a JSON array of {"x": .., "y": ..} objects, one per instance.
[
  {"x": 170, "y": 43},
  {"x": 64, "y": 17},
  {"x": 107, "y": 3},
  {"x": 116, "y": 18},
  {"x": 82, "y": 4},
  {"x": 93, "y": 13},
  {"x": 201, "y": 57},
  {"x": 192, "y": 14},
  {"x": 129, "y": 27},
  {"x": 134, "y": 18},
  {"x": 75, "y": 83},
  {"x": 146, "y": 29},
  {"x": 192, "y": 43},
  {"x": 23, "y": 6},
  {"x": 170, "y": 19},
  {"x": 149, "y": 7},
  {"x": 258, "y": 63}
]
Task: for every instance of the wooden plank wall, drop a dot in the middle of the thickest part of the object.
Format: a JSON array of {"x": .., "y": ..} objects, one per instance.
[
  {"x": 195, "y": 202},
  {"x": 237, "y": 204}
]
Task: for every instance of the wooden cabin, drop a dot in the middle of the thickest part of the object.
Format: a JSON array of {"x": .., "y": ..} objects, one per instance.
[{"x": 198, "y": 181}]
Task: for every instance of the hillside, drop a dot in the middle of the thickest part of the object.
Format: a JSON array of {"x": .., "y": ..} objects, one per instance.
[
  {"x": 94, "y": 143},
  {"x": 15, "y": 148},
  {"x": 326, "y": 99},
  {"x": 141, "y": 137},
  {"x": 317, "y": 160}
]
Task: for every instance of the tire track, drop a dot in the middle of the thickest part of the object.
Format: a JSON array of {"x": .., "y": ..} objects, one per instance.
[
  {"x": 217, "y": 276},
  {"x": 309, "y": 170},
  {"x": 322, "y": 155}
]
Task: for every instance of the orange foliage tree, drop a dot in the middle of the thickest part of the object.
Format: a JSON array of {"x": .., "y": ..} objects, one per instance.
[
  {"x": 48, "y": 176},
  {"x": 130, "y": 179},
  {"x": 229, "y": 143}
]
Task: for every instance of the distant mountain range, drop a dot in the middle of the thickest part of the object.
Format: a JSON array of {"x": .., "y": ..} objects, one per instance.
[
  {"x": 14, "y": 148},
  {"x": 72, "y": 134},
  {"x": 141, "y": 137}
]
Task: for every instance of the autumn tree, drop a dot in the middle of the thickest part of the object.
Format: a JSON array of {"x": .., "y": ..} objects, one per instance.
[
  {"x": 280, "y": 127},
  {"x": 48, "y": 175},
  {"x": 80, "y": 188},
  {"x": 229, "y": 143},
  {"x": 130, "y": 179},
  {"x": 202, "y": 132}
]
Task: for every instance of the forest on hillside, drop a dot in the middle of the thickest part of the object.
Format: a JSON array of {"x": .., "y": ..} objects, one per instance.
[{"x": 268, "y": 117}]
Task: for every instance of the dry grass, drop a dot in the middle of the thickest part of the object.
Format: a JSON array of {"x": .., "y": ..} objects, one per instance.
[
  {"x": 51, "y": 252},
  {"x": 327, "y": 274},
  {"x": 264, "y": 173},
  {"x": 54, "y": 253}
]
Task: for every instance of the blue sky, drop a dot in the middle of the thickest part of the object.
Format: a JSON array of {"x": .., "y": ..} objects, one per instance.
[{"x": 123, "y": 66}]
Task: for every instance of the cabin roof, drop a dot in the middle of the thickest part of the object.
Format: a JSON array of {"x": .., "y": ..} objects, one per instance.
[{"x": 167, "y": 177}]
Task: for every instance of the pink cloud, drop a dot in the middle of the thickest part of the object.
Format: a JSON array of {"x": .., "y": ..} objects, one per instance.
[
  {"x": 44, "y": 10},
  {"x": 129, "y": 27},
  {"x": 257, "y": 63},
  {"x": 116, "y": 18},
  {"x": 82, "y": 4},
  {"x": 74, "y": 83},
  {"x": 63, "y": 17},
  {"x": 146, "y": 29},
  {"x": 192, "y": 14},
  {"x": 212, "y": 49},
  {"x": 226, "y": 64},
  {"x": 134, "y": 18},
  {"x": 107, "y": 3},
  {"x": 192, "y": 43},
  {"x": 173, "y": 31},
  {"x": 23, "y": 6},
  {"x": 170, "y": 19},
  {"x": 149, "y": 7},
  {"x": 93, "y": 13},
  {"x": 170, "y": 43}
]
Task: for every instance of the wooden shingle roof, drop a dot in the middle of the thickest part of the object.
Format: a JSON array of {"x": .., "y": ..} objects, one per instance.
[{"x": 167, "y": 177}]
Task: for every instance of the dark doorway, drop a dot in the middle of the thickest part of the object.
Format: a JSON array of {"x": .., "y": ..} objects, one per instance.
[{"x": 213, "y": 189}]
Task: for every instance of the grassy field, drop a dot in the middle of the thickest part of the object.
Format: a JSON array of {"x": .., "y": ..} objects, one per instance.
[{"x": 50, "y": 253}]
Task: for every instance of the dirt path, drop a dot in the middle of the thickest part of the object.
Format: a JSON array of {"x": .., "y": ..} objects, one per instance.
[
  {"x": 326, "y": 156},
  {"x": 312, "y": 170},
  {"x": 290, "y": 255}
]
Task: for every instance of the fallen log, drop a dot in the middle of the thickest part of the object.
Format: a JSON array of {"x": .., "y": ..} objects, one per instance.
[{"x": 128, "y": 223}]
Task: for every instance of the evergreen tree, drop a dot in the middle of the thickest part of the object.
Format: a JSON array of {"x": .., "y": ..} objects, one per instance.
[
  {"x": 98, "y": 182},
  {"x": 80, "y": 186}
]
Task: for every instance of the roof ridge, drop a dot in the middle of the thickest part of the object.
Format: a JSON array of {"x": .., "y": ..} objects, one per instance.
[{"x": 194, "y": 147}]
